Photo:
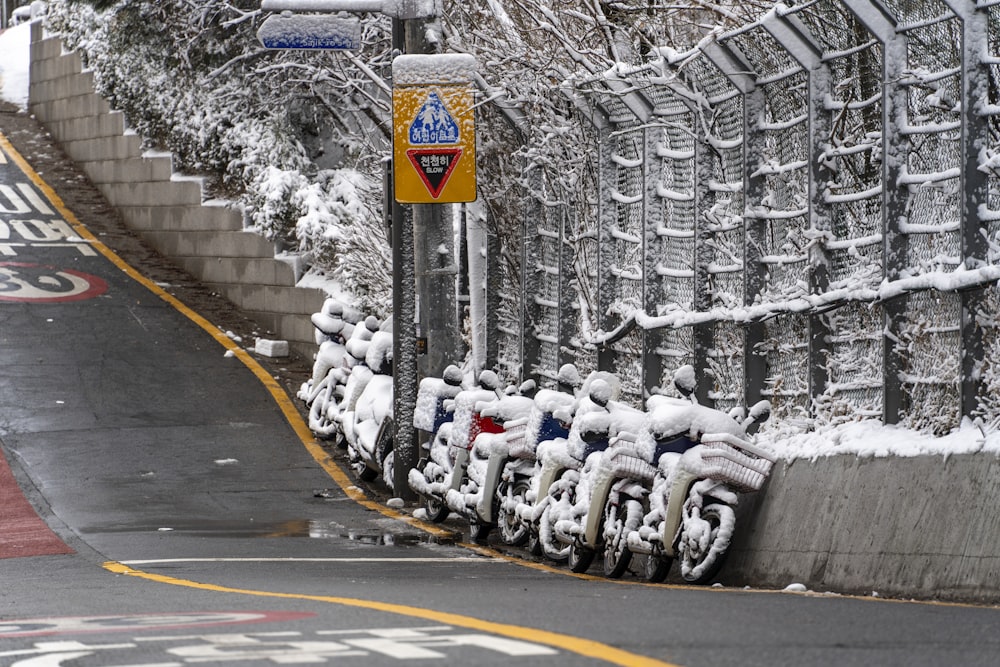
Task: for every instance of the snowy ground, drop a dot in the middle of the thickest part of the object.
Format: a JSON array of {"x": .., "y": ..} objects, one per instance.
[
  {"x": 868, "y": 439},
  {"x": 14, "y": 64}
]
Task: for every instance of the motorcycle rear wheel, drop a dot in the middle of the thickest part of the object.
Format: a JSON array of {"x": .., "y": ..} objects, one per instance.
[
  {"x": 480, "y": 532},
  {"x": 534, "y": 544},
  {"x": 386, "y": 452},
  {"x": 512, "y": 530}
]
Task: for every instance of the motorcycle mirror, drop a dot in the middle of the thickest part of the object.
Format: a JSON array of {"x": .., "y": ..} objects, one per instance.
[
  {"x": 600, "y": 392},
  {"x": 760, "y": 412},
  {"x": 453, "y": 376},
  {"x": 489, "y": 380},
  {"x": 685, "y": 381},
  {"x": 738, "y": 414}
]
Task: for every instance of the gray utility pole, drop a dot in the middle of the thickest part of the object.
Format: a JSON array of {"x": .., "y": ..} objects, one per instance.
[
  {"x": 425, "y": 310},
  {"x": 436, "y": 270}
]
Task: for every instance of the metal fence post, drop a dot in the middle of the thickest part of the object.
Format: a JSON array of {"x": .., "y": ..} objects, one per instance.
[{"x": 975, "y": 249}]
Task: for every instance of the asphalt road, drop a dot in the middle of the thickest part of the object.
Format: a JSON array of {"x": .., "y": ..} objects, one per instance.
[{"x": 194, "y": 520}]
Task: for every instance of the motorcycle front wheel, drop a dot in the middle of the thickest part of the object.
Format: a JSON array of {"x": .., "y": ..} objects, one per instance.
[
  {"x": 580, "y": 557},
  {"x": 657, "y": 568},
  {"x": 512, "y": 530},
  {"x": 323, "y": 404},
  {"x": 437, "y": 509},
  {"x": 704, "y": 541},
  {"x": 617, "y": 556},
  {"x": 551, "y": 547}
]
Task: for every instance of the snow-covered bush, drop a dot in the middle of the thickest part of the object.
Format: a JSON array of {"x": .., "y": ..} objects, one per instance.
[{"x": 192, "y": 79}]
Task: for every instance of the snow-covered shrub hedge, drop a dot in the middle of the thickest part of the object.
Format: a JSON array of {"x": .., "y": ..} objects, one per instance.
[{"x": 192, "y": 79}]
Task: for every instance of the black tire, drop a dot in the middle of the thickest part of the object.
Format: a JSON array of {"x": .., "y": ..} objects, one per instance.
[
  {"x": 437, "y": 511},
  {"x": 657, "y": 568},
  {"x": 389, "y": 470},
  {"x": 513, "y": 532},
  {"x": 534, "y": 544},
  {"x": 700, "y": 565},
  {"x": 367, "y": 473},
  {"x": 580, "y": 557},
  {"x": 617, "y": 556},
  {"x": 480, "y": 532},
  {"x": 385, "y": 450}
]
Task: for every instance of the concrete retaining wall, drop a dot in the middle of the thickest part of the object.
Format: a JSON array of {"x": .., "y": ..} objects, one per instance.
[
  {"x": 913, "y": 527},
  {"x": 925, "y": 527},
  {"x": 167, "y": 211}
]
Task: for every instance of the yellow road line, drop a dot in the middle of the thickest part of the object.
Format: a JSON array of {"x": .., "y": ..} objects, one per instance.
[{"x": 584, "y": 647}]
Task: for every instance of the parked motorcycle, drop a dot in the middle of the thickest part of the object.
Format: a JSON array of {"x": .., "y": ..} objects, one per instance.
[
  {"x": 443, "y": 464},
  {"x": 360, "y": 374},
  {"x": 369, "y": 428},
  {"x": 513, "y": 468},
  {"x": 548, "y": 454},
  {"x": 476, "y": 497},
  {"x": 672, "y": 491},
  {"x": 562, "y": 521},
  {"x": 323, "y": 392}
]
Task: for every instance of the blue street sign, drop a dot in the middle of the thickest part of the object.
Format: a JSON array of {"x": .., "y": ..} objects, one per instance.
[{"x": 310, "y": 31}]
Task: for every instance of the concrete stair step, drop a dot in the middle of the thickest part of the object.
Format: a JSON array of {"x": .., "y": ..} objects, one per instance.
[
  {"x": 132, "y": 169},
  {"x": 121, "y": 147},
  {"x": 70, "y": 85},
  {"x": 238, "y": 270},
  {"x": 91, "y": 127},
  {"x": 57, "y": 67},
  {"x": 153, "y": 193},
  {"x": 77, "y": 106},
  {"x": 183, "y": 244},
  {"x": 183, "y": 218}
]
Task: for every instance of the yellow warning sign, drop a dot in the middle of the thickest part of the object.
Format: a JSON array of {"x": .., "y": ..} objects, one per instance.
[{"x": 434, "y": 144}]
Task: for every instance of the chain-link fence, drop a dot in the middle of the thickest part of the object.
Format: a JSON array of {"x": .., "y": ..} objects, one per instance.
[{"x": 805, "y": 208}]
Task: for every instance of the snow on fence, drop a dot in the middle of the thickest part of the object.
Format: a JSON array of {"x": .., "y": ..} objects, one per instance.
[{"x": 807, "y": 206}]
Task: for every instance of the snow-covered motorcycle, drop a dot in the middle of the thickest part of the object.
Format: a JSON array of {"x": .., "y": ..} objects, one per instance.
[
  {"x": 512, "y": 469},
  {"x": 562, "y": 522},
  {"x": 548, "y": 455},
  {"x": 444, "y": 461},
  {"x": 672, "y": 492},
  {"x": 323, "y": 392},
  {"x": 369, "y": 428},
  {"x": 476, "y": 497}
]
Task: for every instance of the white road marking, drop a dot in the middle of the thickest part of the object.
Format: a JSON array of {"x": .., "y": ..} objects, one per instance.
[{"x": 457, "y": 559}]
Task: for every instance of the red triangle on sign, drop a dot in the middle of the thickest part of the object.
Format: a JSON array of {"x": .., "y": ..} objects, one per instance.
[{"x": 434, "y": 166}]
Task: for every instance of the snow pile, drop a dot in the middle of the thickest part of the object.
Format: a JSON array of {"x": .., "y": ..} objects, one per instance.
[
  {"x": 871, "y": 438},
  {"x": 422, "y": 70},
  {"x": 14, "y": 45}
]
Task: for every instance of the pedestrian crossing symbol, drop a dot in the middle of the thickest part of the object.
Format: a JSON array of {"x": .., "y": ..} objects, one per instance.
[
  {"x": 433, "y": 125},
  {"x": 434, "y": 144}
]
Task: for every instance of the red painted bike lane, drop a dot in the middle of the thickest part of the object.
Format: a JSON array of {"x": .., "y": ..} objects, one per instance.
[{"x": 22, "y": 531}]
